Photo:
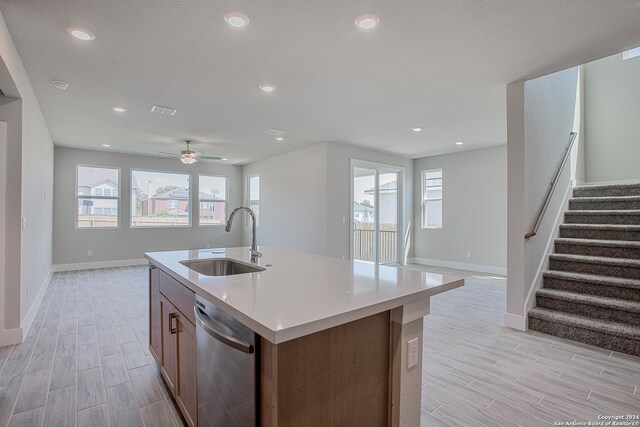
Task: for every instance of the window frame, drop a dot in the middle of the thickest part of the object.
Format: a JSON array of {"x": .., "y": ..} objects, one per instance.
[
  {"x": 78, "y": 197},
  {"x": 248, "y": 198},
  {"x": 423, "y": 184},
  {"x": 190, "y": 204},
  {"x": 226, "y": 200}
]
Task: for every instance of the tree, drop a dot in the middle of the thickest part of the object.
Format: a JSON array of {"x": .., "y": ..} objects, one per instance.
[
  {"x": 165, "y": 189},
  {"x": 366, "y": 203},
  {"x": 161, "y": 212}
]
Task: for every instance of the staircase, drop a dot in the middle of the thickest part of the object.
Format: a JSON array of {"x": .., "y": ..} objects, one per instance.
[{"x": 591, "y": 292}]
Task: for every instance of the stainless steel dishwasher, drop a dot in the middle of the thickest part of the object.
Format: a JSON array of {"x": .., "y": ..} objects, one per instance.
[{"x": 226, "y": 365}]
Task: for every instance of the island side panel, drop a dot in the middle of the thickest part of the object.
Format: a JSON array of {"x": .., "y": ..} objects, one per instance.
[{"x": 336, "y": 377}]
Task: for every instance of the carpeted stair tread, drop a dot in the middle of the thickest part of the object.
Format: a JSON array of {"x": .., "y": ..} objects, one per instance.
[
  {"x": 614, "y": 227},
  {"x": 573, "y": 320},
  {"x": 596, "y": 212},
  {"x": 606, "y": 199},
  {"x": 620, "y": 262},
  {"x": 594, "y": 279},
  {"x": 629, "y": 244},
  {"x": 628, "y": 189},
  {"x": 593, "y": 300}
]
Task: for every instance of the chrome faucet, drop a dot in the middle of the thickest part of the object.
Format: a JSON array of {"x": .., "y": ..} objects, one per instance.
[{"x": 254, "y": 246}]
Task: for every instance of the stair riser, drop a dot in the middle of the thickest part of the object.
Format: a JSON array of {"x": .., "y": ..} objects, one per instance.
[
  {"x": 597, "y": 269},
  {"x": 577, "y": 204},
  {"x": 599, "y": 289},
  {"x": 572, "y": 218},
  {"x": 615, "y": 343},
  {"x": 602, "y": 251},
  {"x": 606, "y": 192},
  {"x": 596, "y": 312},
  {"x": 573, "y": 233}
]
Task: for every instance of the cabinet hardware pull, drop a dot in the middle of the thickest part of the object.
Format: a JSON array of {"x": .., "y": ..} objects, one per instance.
[{"x": 173, "y": 329}]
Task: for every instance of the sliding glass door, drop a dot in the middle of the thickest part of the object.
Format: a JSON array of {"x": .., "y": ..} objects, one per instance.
[{"x": 376, "y": 210}]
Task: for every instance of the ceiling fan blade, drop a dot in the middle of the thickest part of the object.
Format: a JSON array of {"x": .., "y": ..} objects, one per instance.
[
  {"x": 209, "y": 157},
  {"x": 169, "y": 154}
]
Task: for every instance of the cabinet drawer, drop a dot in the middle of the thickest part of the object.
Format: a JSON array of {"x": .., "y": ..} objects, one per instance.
[{"x": 180, "y": 296}]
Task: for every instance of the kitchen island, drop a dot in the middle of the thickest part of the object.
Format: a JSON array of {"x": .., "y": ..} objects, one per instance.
[{"x": 337, "y": 342}]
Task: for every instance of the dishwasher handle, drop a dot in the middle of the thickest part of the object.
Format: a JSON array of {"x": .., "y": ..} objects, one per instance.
[{"x": 209, "y": 326}]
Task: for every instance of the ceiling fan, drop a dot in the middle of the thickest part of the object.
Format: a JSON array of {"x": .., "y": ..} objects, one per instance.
[{"x": 189, "y": 157}]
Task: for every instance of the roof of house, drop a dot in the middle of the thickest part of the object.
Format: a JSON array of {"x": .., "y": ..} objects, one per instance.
[
  {"x": 96, "y": 176},
  {"x": 389, "y": 187},
  {"x": 357, "y": 207}
]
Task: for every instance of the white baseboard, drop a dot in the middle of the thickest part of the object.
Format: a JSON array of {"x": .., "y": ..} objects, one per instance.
[
  {"x": 99, "y": 264},
  {"x": 31, "y": 314},
  {"x": 459, "y": 265},
  {"x": 515, "y": 321},
  {"x": 10, "y": 336}
]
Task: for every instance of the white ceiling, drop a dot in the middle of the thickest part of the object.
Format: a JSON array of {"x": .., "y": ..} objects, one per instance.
[{"x": 438, "y": 64}]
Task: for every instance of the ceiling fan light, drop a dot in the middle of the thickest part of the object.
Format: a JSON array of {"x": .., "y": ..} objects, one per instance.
[{"x": 188, "y": 159}]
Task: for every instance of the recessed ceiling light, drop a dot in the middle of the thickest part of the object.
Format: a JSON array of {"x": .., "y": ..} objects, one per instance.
[
  {"x": 106, "y": 145},
  {"x": 367, "y": 21},
  {"x": 267, "y": 87},
  {"x": 118, "y": 109},
  {"x": 60, "y": 85},
  {"x": 279, "y": 138},
  {"x": 224, "y": 159},
  {"x": 459, "y": 142},
  {"x": 416, "y": 129},
  {"x": 81, "y": 33},
  {"x": 237, "y": 20}
]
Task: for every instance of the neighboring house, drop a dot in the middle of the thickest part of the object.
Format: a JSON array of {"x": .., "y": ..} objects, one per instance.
[
  {"x": 101, "y": 187},
  {"x": 174, "y": 202},
  {"x": 388, "y": 202},
  {"x": 212, "y": 207},
  {"x": 362, "y": 213}
]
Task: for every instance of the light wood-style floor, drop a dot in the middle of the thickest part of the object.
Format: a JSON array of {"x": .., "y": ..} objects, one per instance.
[
  {"x": 85, "y": 362},
  {"x": 479, "y": 373}
]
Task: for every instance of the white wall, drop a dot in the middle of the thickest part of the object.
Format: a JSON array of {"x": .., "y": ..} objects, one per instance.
[
  {"x": 540, "y": 116},
  {"x": 3, "y": 192},
  {"x": 70, "y": 245},
  {"x": 474, "y": 210},
  {"x": 305, "y": 193},
  {"x": 612, "y": 128},
  {"x": 36, "y": 181},
  {"x": 293, "y": 199}
]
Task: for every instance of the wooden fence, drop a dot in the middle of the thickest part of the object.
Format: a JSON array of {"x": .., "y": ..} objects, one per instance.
[{"x": 363, "y": 243}]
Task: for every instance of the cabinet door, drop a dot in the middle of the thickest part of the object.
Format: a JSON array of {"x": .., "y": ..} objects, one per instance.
[
  {"x": 169, "y": 358},
  {"x": 155, "y": 323},
  {"x": 187, "y": 388}
]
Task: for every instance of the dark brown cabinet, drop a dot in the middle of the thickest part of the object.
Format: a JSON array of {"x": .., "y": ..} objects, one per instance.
[{"x": 172, "y": 339}]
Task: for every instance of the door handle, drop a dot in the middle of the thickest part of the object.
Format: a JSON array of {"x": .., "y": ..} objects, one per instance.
[
  {"x": 172, "y": 317},
  {"x": 208, "y": 325}
]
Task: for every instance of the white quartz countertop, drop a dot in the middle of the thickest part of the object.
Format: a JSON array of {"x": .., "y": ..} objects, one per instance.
[{"x": 299, "y": 293}]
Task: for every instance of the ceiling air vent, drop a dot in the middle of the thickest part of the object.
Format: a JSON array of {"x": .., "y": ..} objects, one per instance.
[
  {"x": 275, "y": 132},
  {"x": 166, "y": 111}
]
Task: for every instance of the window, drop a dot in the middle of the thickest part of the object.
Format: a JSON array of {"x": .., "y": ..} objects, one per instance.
[
  {"x": 160, "y": 199},
  {"x": 97, "y": 208},
  {"x": 253, "y": 195},
  {"x": 631, "y": 53},
  {"x": 213, "y": 199},
  {"x": 432, "y": 198}
]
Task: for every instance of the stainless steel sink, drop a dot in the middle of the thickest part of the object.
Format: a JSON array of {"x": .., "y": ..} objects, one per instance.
[{"x": 220, "y": 266}]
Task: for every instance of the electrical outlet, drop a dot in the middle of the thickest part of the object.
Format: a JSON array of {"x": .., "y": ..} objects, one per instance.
[
  {"x": 469, "y": 254},
  {"x": 89, "y": 252},
  {"x": 412, "y": 353},
  {"x": 344, "y": 219}
]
